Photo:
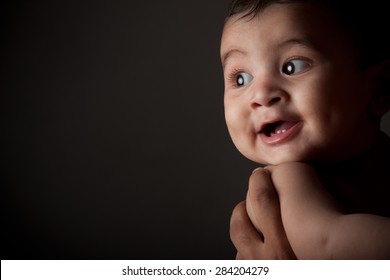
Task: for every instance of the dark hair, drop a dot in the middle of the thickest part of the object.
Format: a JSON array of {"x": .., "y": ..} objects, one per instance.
[{"x": 366, "y": 22}]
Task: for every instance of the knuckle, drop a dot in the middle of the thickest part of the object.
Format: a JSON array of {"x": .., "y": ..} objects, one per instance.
[{"x": 261, "y": 192}]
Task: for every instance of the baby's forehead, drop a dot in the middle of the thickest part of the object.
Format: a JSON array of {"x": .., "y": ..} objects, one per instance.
[{"x": 284, "y": 22}]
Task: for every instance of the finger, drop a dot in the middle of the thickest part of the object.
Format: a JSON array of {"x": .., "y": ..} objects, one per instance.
[
  {"x": 263, "y": 204},
  {"x": 242, "y": 233}
]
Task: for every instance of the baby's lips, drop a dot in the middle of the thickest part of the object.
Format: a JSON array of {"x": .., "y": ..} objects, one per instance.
[{"x": 280, "y": 132}]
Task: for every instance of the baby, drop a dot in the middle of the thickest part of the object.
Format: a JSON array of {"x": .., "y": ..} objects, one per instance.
[{"x": 306, "y": 86}]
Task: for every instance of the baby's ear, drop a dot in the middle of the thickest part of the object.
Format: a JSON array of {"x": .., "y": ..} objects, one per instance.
[{"x": 380, "y": 102}]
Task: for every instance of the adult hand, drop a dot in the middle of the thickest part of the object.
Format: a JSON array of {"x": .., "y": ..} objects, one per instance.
[{"x": 256, "y": 227}]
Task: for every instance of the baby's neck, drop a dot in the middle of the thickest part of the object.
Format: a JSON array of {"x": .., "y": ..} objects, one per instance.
[{"x": 361, "y": 184}]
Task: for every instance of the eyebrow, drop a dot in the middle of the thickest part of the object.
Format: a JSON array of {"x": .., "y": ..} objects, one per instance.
[
  {"x": 293, "y": 41},
  {"x": 230, "y": 53}
]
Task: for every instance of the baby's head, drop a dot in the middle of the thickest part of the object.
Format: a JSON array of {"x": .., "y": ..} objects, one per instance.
[{"x": 304, "y": 80}]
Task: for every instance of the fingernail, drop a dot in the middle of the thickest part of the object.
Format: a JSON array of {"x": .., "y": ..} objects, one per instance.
[{"x": 258, "y": 168}]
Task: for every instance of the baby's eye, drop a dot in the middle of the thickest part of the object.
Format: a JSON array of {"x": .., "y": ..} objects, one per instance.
[
  {"x": 243, "y": 79},
  {"x": 295, "y": 66}
]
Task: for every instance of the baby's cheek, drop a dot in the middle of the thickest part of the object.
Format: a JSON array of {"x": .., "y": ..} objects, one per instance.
[{"x": 235, "y": 128}]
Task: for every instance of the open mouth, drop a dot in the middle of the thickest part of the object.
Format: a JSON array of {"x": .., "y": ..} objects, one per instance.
[
  {"x": 279, "y": 131},
  {"x": 278, "y": 127}
]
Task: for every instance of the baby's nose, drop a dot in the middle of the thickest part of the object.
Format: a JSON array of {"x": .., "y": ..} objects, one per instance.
[{"x": 266, "y": 99}]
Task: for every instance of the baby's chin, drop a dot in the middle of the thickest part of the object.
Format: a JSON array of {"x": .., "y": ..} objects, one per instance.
[{"x": 279, "y": 160}]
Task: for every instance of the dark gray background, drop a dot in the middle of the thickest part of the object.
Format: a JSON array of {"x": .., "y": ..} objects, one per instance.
[{"x": 113, "y": 140}]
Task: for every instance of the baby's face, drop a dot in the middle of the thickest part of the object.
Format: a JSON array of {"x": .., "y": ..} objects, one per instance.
[{"x": 293, "y": 91}]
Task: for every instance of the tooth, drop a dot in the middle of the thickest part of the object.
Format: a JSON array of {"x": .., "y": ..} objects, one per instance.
[{"x": 280, "y": 131}]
